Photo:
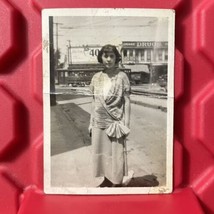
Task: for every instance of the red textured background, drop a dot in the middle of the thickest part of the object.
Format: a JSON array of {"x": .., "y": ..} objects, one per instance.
[{"x": 21, "y": 129}]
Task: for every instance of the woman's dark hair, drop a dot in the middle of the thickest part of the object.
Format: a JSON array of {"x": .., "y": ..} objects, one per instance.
[{"x": 109, "y": 49}]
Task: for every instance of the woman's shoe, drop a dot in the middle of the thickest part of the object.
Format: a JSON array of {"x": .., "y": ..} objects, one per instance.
[
  {"x": 128, "y": 178},
  {"x": 106, "y": 183}
]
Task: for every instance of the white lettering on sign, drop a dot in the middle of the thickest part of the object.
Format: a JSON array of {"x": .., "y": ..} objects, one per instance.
[
  {"x": 132, "y": 44},
  {"x": 151, "y": 44}
]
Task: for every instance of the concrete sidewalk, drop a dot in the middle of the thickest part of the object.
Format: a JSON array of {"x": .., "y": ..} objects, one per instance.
[{"x": 71, "y": 163}]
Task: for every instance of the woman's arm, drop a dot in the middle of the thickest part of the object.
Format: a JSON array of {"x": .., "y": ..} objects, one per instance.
[
  {"x": 91, "y": 87},
  {"x": 127, "y": 110},
  {"x": 92, "y": 116},
  {"x": 126, "y": 94}
]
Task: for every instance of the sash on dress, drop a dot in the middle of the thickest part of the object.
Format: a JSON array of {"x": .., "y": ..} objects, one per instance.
[{"x": 117, "y": 129}]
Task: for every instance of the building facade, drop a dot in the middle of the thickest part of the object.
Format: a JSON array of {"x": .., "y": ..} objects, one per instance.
[
  {"x": 144, "y": 62},
  {"x": 149, "y": 57}
]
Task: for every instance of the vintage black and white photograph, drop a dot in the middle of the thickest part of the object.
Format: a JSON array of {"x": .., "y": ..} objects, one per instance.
[{"x": 108, "y": 92}]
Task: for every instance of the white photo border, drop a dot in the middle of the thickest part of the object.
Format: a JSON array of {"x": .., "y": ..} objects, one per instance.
[{"x": 167, "y": 13}]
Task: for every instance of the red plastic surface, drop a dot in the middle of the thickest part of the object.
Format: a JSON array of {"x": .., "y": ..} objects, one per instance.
[{"x": 21, "y": 126}]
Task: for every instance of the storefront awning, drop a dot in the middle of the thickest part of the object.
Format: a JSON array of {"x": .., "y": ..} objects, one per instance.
[{"x": 137, "y": 68}]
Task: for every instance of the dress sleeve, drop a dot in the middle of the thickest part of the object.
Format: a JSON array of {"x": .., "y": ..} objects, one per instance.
[{"x": 126, "y": 85}]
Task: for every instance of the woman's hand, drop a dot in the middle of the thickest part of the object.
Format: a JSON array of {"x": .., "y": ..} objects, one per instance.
[
  {"x": 127, "y": 125},
  {"x": 90, "y": 129},
  {"x": 91, "y": 118}
]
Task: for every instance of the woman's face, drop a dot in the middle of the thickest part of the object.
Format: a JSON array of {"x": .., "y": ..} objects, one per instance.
[{"x": 109, "y": 60}]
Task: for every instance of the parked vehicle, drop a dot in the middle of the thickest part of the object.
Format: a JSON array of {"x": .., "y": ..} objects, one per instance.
[
  {"x": 78, "y": 81},
  {"x": 162, "y": 81}
]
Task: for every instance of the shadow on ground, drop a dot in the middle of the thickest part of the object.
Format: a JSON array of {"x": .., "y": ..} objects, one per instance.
[
  {"x": 144, "y": 181},
  {"x": 69, "y": 128}
]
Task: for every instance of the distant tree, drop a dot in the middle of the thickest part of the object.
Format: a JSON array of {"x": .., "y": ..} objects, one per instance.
[{"x": 57, "y": 56}]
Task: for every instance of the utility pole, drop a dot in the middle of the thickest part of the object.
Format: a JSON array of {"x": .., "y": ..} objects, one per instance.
[
  {"x": 68, "y": 59},
  {"x": 52, "y": 67},
  {"x": 69, "y": 52}
]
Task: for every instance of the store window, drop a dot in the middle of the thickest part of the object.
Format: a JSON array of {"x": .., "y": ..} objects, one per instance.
[
  {"x": 125, "y": 53},
  {"x": 142, "y": 55},
  {"x": 148, "y": 55},
  {"x": 160, "y": 55},
  {"x": 131, "y": 56},
  {"x": 137, "y": 54},
  {"x": 166, "y": 55}
]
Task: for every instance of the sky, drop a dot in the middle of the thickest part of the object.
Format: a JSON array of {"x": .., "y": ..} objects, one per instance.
[{"x": 94, "y": 30}]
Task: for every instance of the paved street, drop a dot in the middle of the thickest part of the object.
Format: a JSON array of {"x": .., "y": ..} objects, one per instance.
[
  {"x": 151, "y": 88},
  {"x": 71, "y": 147}
]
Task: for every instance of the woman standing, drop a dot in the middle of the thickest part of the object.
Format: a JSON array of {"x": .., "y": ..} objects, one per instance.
[{"x": 110, "y": 118}]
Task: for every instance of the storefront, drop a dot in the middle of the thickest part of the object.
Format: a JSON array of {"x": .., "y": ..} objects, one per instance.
[
  {"x": 138, "y": 73},
  {"x": 148, "y": 53}
]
